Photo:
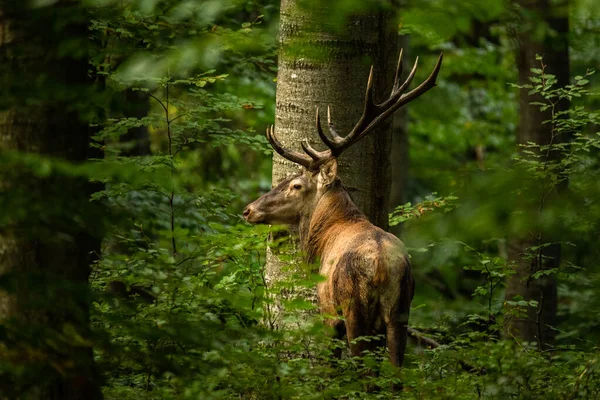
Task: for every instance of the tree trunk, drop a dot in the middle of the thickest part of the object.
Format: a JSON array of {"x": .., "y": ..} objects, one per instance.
[
  {"x": 51, "y": 235},
  {"x": 320, "y": 66},
  {"x": 400, "y": 151},
  {"x": 136, "y": 142},
  {"x": 537, "y": 325}
]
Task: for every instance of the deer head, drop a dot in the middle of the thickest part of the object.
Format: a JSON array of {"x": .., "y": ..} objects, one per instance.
[{"x": 297, "y": 195}]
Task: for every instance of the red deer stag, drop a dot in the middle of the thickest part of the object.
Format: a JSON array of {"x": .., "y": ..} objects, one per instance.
[{"x": 369, "y": 279}]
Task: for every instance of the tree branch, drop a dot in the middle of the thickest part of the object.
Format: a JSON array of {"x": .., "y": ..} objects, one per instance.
[{"x": 419, "y": 338}]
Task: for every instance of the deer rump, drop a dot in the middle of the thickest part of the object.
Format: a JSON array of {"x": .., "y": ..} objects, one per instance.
[{"x": 369, "y": 283}]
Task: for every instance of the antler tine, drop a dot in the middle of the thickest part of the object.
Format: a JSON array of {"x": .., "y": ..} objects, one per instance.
[
  {"x": 372, "y": 118},
  {"x": 291, "y": 155},
  {"x": 314, "y": 154},
  {"x": 322, "y": 134},
  {"x": 398, "y": 91},
  {"x": 369, "y": 91},
  {"x": 398, "y": 74},
  {"x": 427, "y": 84},
  {"x": 334, "y": 134}
]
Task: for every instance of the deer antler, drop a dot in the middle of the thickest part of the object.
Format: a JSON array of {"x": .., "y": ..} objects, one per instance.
[
  {"x": 291, "y": 155},
  {"x": 373, "y": 115}
]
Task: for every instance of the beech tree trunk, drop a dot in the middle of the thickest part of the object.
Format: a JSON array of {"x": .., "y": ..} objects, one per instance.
[
  {"x": 320, "y": 65},
  {"x": 400, "y": 149},
  {"x": 51, "y": 234},
  {"x": 537, "y": 325}
]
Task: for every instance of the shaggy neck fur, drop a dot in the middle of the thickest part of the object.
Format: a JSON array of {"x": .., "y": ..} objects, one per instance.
[{"x": 332, "y": 214}]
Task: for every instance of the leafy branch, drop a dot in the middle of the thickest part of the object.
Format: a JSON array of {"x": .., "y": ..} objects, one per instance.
[{"x": 431, "y": 203}]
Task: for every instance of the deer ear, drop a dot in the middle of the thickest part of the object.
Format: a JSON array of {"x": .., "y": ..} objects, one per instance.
[{"x": 328, "y": 172}]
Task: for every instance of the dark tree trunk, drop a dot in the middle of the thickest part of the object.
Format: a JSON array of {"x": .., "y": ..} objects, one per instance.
[
  {"x": 136, "y": 142},
  {"x": 537, "y": 325},
  {"x": 400, "y": 151},
  {"x": 52, "y": 231}
]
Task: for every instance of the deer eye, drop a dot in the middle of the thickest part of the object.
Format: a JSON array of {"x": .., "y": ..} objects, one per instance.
[{"x": 297, "y": 186}]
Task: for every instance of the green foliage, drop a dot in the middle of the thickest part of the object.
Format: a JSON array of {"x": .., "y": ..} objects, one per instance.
[
  {"x": 181, "y": 306},
  {"x": 431, "y": 203},
  {"x": 547, "y": 212}
]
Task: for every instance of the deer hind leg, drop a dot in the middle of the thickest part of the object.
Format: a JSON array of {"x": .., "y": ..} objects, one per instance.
[
  {"x": 396, "y": 331},
  {"x": 395, "y": 316},
  {"x": 396, "y": 337},
  {"x": 357, "y": 326},
  {"x": 338, "y": 332}
]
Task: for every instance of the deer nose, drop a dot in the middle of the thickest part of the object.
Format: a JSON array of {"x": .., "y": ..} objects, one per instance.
[{"x": 247, "y": 212}]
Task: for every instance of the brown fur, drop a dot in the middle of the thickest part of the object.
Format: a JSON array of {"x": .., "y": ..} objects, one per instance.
[
  {"x": 334, "y": 212},
  {"x": 368, "y": 274}
]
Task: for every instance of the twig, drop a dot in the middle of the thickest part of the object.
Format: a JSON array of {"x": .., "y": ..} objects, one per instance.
[
  {"x": 171, "y": 197},
  {"x": 179, "y": 116},
  {"x": 158, "y": 100},
  {"x": 420, "y": 338},
  {"x": 185, "y": 141}
]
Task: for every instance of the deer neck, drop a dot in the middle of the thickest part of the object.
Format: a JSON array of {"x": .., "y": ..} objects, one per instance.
[{"x": 333, "y": 212}]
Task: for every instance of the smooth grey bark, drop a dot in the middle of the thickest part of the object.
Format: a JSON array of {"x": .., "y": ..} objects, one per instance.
[
  {"x": 50, "y": 238},
  {"x": 320, "y": 65},
  {"x": 537, "y": 325}
]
